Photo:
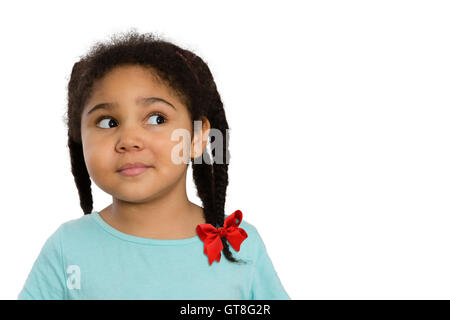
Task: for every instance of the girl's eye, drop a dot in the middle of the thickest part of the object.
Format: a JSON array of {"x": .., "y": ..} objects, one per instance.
[
  {"x": 158, "y": 119},
  {"x": 105, "y": 122}
]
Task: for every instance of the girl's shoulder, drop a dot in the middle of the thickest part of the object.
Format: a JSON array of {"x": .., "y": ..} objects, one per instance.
[{"x": 77, "y": 228}]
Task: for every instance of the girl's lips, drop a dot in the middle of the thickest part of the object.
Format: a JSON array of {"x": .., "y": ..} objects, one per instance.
[{"x": 132, "y": 171}]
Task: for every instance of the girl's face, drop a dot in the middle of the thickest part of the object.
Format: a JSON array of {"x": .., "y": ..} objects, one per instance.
[{"x": 131, "y": 129}]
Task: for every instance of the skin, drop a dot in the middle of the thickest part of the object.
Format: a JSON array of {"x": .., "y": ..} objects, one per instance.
[{"x": 153, "y": 204}]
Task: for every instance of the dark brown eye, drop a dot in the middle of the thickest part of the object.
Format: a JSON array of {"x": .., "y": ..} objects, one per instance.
[
  {"x": 106, "y": 122},
  {"x": 158, "y": 119}
]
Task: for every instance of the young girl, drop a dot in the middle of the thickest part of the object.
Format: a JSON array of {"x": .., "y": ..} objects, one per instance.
[{"x": 126, "y": 99}]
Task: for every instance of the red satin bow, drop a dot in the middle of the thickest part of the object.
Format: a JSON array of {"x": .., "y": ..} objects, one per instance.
[{"x": 211, "y": 236}]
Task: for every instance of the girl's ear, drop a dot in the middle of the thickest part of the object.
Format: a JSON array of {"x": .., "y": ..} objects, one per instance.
[{"x": 200, "y": 138}]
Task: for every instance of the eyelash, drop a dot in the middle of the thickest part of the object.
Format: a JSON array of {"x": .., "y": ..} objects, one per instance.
[{"x": 151, "y": 114}]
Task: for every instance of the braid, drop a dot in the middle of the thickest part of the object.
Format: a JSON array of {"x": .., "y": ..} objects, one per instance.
[
  {"x": 81, "y": 175},
  {"x": 204, "y": 181},
  {"x": 212, "y": 180}
]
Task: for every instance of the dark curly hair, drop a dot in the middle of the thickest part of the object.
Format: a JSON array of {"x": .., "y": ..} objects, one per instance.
[{"x": 188, "y": 76}]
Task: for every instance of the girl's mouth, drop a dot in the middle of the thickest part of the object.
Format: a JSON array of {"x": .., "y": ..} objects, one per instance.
[{"x": 131, "y": 172}]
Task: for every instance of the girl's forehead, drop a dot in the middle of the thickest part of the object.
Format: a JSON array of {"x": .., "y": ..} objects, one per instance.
[
  {"x": 128, "y": 82},
  {"x": 132, "y": 74},
  {"x": 133, "y": 81}
]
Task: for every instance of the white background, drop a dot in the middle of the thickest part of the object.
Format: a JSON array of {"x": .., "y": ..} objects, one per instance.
[{"x": 339, "y": 126}]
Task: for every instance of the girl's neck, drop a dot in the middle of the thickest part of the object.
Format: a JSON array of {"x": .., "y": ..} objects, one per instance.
[{"x": 173, "y": 225}]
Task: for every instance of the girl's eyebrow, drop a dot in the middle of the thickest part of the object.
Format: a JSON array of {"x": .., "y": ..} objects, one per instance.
[{"x": 141, "y": 101}]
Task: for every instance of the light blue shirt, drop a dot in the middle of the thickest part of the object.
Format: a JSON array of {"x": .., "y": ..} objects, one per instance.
[{"x": 86, "y": 258}]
